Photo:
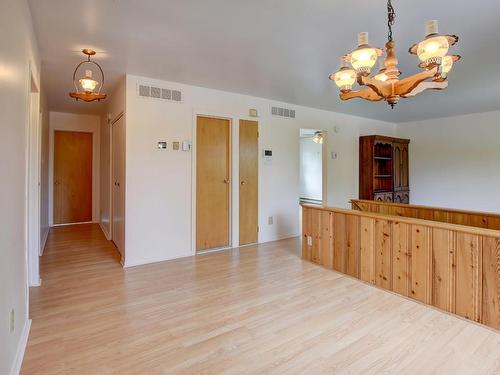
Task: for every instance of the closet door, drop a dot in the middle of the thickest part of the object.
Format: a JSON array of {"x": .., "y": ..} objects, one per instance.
[
  {"x": 118, "y": 184},
  {"x": 212, "y": 182},
  {"x": 249, "y": 181}
]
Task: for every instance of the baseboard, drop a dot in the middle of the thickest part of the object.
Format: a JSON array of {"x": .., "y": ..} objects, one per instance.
[
  {"x": 282, "y": 237},
  {"x": 21, "y": 348},
  {"x": 128, "y": 264},
  {"x": 44, "y": 241},
  {"x": 106, "y": 233}
]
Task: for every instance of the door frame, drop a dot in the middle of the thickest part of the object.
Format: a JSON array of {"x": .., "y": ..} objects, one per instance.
[
  {"x": 96, "y": 169},
  {"x": 32, "y": 192},
  {"x": 232, "y": 178}
]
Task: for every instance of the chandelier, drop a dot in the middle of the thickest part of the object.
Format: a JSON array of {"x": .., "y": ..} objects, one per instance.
[
  {"x": 88, "y": 83},
  {"x": 432, "y": 53}
]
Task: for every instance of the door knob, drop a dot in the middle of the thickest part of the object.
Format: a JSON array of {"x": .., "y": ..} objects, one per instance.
[
  {"x": 227, "y": 181},
  {"x": 243, "y": 182}
]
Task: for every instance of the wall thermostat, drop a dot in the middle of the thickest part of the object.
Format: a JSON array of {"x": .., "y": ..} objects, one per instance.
[
  {"x": 175, "y": 145},
  {"x": 162, "y": 145},
  {"x": 253, "y": 112}
]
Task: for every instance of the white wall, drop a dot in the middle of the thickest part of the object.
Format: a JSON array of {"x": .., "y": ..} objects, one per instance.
[
  {"x": 159, "y": 185},
  {"x": 82, "y": 123},
  {"x": 116, "y": 105},
  {"x": 18, "y": 52},
  {"x": 455, "y": 161},
  {"x": 311, "y": 168}
]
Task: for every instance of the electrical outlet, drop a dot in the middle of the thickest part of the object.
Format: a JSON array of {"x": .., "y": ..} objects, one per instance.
[
  {"x": 12, "y": 321},
  {"x": 270, "y": 220},
  {"x": 309, "y": 241}
]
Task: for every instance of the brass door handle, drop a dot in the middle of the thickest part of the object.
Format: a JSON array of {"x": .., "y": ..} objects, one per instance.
[
  {"x": 227, "y": 181},
  {"x": 243, "y": 182}
]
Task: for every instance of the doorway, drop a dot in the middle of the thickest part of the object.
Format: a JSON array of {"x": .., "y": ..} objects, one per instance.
[
  {"x": 249, "y": 182},
  {"x": 213, "y": 182},
  {"x": 312, "y": 187},
  {"x": 72, "y": 177}
]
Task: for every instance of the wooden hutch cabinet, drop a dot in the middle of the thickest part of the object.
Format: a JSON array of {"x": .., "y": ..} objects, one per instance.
[{"x": 384, "y": 169}]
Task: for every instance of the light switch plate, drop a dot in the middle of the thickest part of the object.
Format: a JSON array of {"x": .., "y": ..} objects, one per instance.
[{"x": 186, "y": 145}]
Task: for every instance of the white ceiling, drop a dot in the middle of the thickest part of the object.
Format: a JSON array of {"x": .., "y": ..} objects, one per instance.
[{"x": 282, "y": 50}]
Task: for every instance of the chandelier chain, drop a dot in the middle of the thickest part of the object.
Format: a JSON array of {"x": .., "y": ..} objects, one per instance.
[{"x": 391, "y": 16}]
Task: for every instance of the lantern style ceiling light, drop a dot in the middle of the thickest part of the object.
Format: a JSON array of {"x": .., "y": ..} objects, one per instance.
[
  {"x": 318, "y": 137},
  {"x": 87, "y": 83},
  {"x": 357, "y": 66}
]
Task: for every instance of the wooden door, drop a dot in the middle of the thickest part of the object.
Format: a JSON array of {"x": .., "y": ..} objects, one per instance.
[
  {"x": 118, "y": 184},
  {"x": 72, "y": 177},
  {"x": 249, "y": 181},
  {"x": 212, "y": 183}
]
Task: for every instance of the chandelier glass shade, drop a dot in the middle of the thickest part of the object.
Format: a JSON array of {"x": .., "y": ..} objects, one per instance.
[
  {"x": 87, "y": 83},
  {"x": 432, "y": 52}
]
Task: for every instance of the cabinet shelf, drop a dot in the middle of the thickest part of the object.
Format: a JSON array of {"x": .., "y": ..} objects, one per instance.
[{"x": 383, "y": 168}]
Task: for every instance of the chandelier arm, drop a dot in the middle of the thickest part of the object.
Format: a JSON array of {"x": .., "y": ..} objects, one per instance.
[
  {"x": 406, "y": 85},
  {"x": 382, "y": 89},
  {"x": 367, "y": 94},
  {"x": 425, "y": 85}
]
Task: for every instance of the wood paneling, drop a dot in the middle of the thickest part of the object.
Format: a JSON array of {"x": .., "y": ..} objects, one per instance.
[
  {"x": 490, "y": 308},
  {"x": 352, "y": 245},
  {"x": 400, "y": 258},
  {"x": 367, "y": 249},
  {"x": 339, "y": 242},
  {"x": 383, "y": 247},
  {"x": 467, "y": 276},
  {"x": 249, "y": 181},
  {"x": 326, "y": 239},
  {"x": 212, "y": 183},
  {"x": 444, "y": 215},
  {"x": 443, "y": 245},
  {"x": 72, "y": 177},
  {"x": 455, "y": 268}
]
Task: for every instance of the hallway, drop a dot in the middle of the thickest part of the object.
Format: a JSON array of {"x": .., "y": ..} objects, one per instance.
[{"x": 255, "y": 309}]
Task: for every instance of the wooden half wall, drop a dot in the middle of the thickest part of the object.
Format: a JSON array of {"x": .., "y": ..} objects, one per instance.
[
  {"x": 452, "y": 267},
  {"x": 445, "y": 215}
]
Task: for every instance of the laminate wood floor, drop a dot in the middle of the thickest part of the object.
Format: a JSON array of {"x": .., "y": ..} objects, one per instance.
[{"x": 258, "y": 309}]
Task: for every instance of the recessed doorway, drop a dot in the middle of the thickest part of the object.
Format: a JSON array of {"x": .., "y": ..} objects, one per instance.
[
  {"x": 312, "y": 171},
  {"x": 72, "y": 177}
]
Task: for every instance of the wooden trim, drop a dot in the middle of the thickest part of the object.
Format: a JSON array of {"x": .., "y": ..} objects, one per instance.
[
  {"x": 402, "y": 205},
  {"x": 452, "y": 267},
  {"x": 409, "y": 220}
]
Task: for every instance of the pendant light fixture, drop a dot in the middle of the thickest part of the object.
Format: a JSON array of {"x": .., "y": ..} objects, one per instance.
[
  {"x": 87, "y": 83},
  {"x": 318, "y": 137},
  {"x": 386, "y": 85}
]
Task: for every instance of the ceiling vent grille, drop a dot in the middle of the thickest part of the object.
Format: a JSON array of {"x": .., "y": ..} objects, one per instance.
[
  {"x": 283, "y": 112},
  {"x": 159, "y": 93}
]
